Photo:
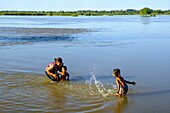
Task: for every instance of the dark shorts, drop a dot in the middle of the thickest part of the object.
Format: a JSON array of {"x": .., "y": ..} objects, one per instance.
[
  {"x": 125, "y": 89},
  {"x": 52, "y": 78}
]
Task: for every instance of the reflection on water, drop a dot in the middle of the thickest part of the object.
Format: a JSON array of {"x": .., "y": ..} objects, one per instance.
[
  {"x": 145, "y": 20},
  {"x": 121, "y": 104}
]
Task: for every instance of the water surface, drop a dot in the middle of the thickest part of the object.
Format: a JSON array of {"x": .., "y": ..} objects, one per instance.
[{"x": 91, "y": 48}]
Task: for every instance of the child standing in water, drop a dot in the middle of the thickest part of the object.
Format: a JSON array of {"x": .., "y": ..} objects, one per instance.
[
  {"x": 64, "y": 74},
  {"x": 121, "y": 83}
]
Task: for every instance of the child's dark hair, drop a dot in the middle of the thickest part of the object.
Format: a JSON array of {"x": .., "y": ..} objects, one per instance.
[
  {"x": 116, "y": 71},
  {"x": 65, "y": 68},
  {"x": 59, "y": 59}
]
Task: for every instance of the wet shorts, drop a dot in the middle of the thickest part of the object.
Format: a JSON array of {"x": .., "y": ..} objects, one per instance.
[{"x": 124, "y": 90}]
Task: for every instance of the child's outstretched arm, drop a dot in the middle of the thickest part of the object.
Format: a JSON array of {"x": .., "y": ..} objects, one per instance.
[{"x": 128, "y": 82}]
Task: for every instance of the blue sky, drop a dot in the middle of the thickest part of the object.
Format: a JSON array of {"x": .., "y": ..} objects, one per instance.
[{"x": 74, "y": 5}]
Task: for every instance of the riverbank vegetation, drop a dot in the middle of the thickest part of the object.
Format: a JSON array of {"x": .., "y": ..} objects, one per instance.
[{"x": 143, "y": 12}]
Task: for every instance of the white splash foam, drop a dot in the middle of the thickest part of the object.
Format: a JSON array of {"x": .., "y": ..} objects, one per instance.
[{"x": 100, "y": 87}]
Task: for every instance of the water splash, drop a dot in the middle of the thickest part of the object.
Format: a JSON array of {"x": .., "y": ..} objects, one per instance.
[{"x": 99, "y": 86}]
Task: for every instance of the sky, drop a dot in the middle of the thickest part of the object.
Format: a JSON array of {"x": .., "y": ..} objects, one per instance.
[{"x": 74, "y": 5}]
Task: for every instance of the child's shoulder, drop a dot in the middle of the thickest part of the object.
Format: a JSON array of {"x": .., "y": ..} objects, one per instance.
[
  {"x": 121, "y": 78},
  {"x": 118, "y": 78}
]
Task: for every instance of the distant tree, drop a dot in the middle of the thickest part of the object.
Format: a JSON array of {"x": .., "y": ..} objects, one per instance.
[
  {"x": 51, "y": 13},
  {"x": 158, "y": 12},
  {"x": 167, "y": 12},
  {"x": 145, "y": 11}
]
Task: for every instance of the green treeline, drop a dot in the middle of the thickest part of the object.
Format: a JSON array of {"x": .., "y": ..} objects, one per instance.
[
  {"x": 150, "y": 12},
  {"x": 142, "y": 12}
]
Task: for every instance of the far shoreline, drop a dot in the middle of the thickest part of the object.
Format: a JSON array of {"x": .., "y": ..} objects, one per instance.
[{"x": 147, "y": 11}]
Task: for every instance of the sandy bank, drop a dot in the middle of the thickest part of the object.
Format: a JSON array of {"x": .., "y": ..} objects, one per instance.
[{"x": 12, "y": 31}]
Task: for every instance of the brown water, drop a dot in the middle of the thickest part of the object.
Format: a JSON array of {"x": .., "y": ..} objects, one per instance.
[{"x": 143, "y": 56}]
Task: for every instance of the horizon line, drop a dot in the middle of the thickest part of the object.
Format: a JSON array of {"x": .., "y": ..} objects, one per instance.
[{"x": 87, "y": 10}]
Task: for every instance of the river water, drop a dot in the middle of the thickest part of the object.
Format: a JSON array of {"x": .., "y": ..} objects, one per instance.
[{"x": 91, "y": 47}]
